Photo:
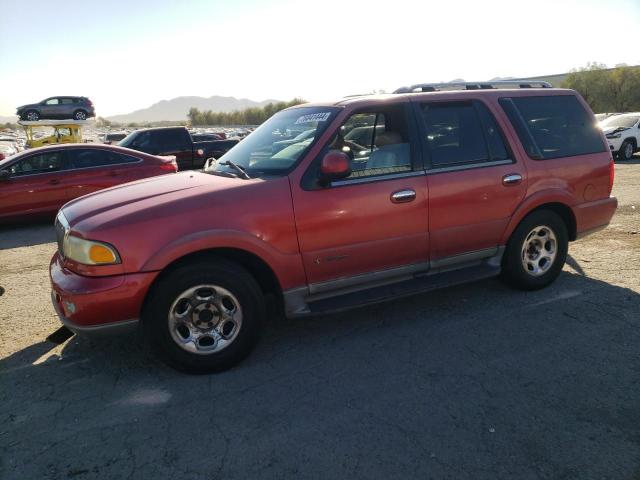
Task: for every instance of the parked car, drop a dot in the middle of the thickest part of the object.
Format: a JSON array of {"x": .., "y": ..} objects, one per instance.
[
  {"x": 76, "y": 108},
  {"x": 603, "y": 116},
  {"x": 207, "y": 137},
  {"x": 301, "y": 137},
  {"x": 449, "y": 187},
  {"x": 176, "y": 141},
  {"x": 6, "y": 151},
  {"x": 38, "y": 182},
  {"x": 60, "y": 132},
  {"x": 623, "y": 134},
  {"x": 111, "y": 138}
]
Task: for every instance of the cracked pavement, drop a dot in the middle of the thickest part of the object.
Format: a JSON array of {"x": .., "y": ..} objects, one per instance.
[{"x": 471, "y": 382}]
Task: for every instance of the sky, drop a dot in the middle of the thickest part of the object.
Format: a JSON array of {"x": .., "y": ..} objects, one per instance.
[{"x": 127, "y": 55}]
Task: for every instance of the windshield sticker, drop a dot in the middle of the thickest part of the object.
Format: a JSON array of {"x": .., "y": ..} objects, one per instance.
[{"x": 313, "y": 117}]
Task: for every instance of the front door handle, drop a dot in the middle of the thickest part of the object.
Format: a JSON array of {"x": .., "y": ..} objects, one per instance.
[
  {"x": 403, "y": 196},
  {"x": 511, "y": 179},
  {"x": 54, "y": 181}
]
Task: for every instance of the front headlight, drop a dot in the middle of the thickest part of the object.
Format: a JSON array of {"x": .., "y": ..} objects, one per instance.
[
  {"x": 614, "y": 135},
  {"x": 89, "y": 252}
]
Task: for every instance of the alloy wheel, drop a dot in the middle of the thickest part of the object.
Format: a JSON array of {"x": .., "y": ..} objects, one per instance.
[
  {"x": 205, "y": 319},
  {"x": 539, "y": 250}
]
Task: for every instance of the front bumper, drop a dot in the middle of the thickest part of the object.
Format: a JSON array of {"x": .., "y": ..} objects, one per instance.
[
  {"x": 97, "y": 305},
  {"x": 615, "y": 144}
]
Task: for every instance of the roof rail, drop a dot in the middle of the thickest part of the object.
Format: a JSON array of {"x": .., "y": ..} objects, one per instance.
[{"x": 437, "y": 87}]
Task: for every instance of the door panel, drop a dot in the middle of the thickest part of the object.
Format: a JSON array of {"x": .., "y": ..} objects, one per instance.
[
  {"x": 30, "y": 194},
  {"x": 94, "y": 169},
  {"x": 470, "y": 209},
  {"x": 357, "y": 228},
  {"x": 474, "y": 183}
]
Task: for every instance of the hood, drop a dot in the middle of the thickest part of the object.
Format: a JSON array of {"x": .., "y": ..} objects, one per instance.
[
  {"x": 30, "y": 105},
  {"x": 608, "y": 130},
  {"x": 136, "y": 199}
]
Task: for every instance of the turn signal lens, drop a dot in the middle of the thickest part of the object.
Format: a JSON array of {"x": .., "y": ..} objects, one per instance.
[
  {"x": 101, "y": 254},
  {"x": 89, "y": 252}
]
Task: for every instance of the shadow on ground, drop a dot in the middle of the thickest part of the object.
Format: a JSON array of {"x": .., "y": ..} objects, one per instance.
[
  {"x": 477, "y": 381},
  {"x": 27, "y": 234}
]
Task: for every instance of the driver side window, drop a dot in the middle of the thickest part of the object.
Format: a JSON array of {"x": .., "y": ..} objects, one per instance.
[
  {"x": 377, "y": 142},
  {"x": 52, "y": 101},
  {"x": 35, "y": 164}
]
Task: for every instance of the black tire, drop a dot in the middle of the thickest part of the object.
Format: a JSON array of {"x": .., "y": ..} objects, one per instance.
[
  {"x": 626, "y": 150},
  {"x": 79, "y": 115},
  {"x": 35, "y": 116},
  {"x": 514, "y": 272},
  {"x": 218, "y": 272}
]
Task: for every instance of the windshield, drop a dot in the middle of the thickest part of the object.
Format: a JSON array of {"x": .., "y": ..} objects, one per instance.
[
  {"x": 620, "y": 121},
  {"x": 275, "y": 146}
]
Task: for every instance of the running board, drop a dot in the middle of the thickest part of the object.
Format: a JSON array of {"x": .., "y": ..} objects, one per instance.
[{"x": 418, "y": 284}]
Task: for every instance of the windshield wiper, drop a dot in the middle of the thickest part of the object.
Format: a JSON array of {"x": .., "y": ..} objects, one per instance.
[{"x": 237, "y": 168}]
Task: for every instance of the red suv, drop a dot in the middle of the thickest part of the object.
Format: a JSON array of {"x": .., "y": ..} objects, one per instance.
[{"x": 389, "y": 195}]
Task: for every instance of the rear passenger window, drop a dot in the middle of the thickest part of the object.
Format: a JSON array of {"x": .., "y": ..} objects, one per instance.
[
  {"x": 97, "y": 158},
  {"x": 553, "y": 126},
  {"x": 461, "y": 133}
]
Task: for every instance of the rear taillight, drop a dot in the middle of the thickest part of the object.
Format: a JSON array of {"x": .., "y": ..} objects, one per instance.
[
  {"x": 612, "y": 174},
  {"x": 1, "y": 156},
  {"x": 169, "y": 167}
]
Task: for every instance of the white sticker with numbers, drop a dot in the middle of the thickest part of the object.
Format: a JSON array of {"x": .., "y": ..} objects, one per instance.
[{"x": 313, "y": 117}]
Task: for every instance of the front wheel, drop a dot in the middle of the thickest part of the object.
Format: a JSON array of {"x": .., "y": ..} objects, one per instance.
[
  {"x": 536, "y": 251},
  {"x": 626, "y": 150},
  {"x": 204, "y": 317},
  {"x": 32, "y": 116}
]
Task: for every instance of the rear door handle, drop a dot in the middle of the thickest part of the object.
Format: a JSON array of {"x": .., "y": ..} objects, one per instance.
[
  {"x": 54, "y": 181},
  {"x": 511, "y": 179},
  {"x": 403, "y": 196}
]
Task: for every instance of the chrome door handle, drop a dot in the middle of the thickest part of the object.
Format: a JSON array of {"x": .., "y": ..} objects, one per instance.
[
  {"x": 403, "y": 196},
  {"x": 511, "y": 179}
]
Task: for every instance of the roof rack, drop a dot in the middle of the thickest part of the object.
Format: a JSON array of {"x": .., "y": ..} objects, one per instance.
[{"x": 438, "y": 87}]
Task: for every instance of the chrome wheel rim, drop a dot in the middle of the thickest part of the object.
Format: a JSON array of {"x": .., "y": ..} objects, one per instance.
[
  {"x": 80, "y": 116},
  {"x": 628, "y": 150},
  {"x": 539, "y": 250},
  {"x": 32, "y": 116},
  {"x": 205, "y": 319}
]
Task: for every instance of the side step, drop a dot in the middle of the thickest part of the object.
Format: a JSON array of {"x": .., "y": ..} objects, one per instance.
[{"x": 418, "y": 284}]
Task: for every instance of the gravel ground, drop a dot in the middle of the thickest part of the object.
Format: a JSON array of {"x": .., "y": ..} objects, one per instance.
[{"x": 472, "y": 382}]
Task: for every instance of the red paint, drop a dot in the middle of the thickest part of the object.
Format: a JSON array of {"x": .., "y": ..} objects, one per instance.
[
  {"x": 43, "y": 194},
  {"x": 309, "y": 236}
]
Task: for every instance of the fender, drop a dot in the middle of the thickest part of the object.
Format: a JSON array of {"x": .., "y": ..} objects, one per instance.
[
  {"x": 551, "y": 195},
  {"x": 287, "y": 268}
]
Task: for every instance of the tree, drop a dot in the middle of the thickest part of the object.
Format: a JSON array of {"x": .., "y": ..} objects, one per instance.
[
  {"x": 607, "y": 90},
  {"x": 248, "y": 116}
]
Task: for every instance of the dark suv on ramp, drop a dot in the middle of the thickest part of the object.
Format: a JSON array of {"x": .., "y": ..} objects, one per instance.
[{"x": 78, "y": 108}]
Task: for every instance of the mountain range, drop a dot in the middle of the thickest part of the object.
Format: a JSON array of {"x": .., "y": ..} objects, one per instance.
[{"x": 177, "y": 108}]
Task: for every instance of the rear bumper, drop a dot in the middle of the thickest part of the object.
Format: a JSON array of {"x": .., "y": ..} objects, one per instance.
[
  {"x": 97, "y": 305},
  {"x": 594, "y": 216}
]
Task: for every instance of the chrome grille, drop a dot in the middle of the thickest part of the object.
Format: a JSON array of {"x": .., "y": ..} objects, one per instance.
[{"x": 61, "y": 231}]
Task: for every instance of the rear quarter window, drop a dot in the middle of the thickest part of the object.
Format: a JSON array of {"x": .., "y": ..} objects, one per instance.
[{"x": 553, "y": 126}]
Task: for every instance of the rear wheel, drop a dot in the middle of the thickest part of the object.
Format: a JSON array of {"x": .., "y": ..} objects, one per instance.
[
  {"x": 536, "y": 251},
  {"x": 626, "y": 150},
  {"x": 32, "y": 116},
  {"x": 204, "y": 317},
  {"x": 80, "y": 115}
]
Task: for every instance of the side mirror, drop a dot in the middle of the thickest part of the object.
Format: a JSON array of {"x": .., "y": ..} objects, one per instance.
[
  {"x": 335, "y": 165},
  {"x": 208, "y": 162},
  {"x": 4, "y": 174}
]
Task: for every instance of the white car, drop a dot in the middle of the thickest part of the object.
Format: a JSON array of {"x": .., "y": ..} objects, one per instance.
[{"x": 623, "y": 134}]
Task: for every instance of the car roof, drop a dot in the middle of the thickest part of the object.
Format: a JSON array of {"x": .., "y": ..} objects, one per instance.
[
  {"x": 373, "y": 99},
  {"x": 76, "y": 146}
]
